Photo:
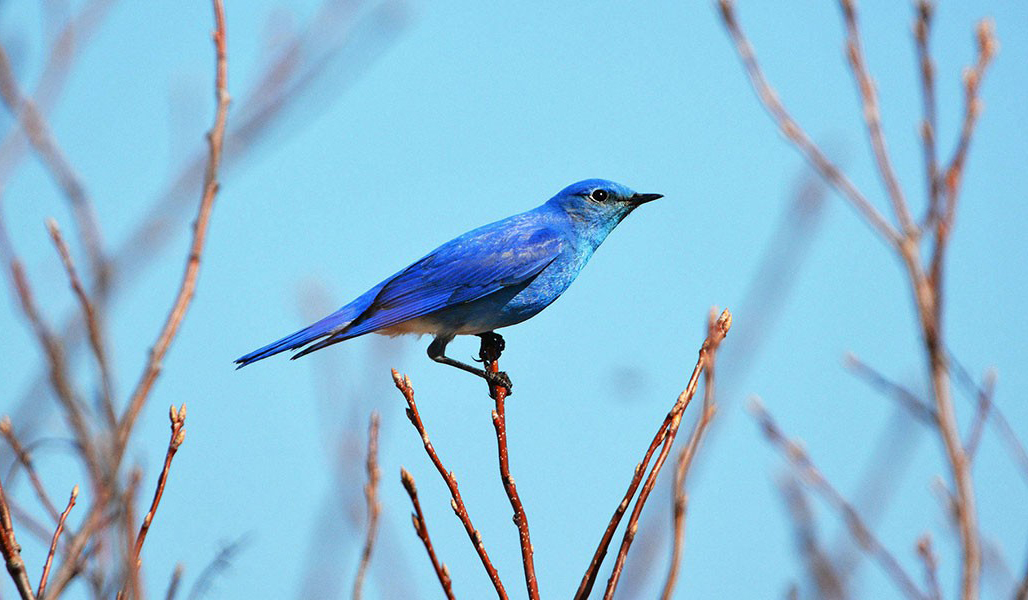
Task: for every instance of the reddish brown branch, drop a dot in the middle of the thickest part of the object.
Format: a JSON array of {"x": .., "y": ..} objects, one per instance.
[
  {"x": 861, "y": 533},
  {"x": 456, "y": 502},
  {"x": 215, "y": 139},
  {"x": 92, "y": 322},
  {"x": 716, "y": 332},
  {"x": 873, "y": 118},
  {"x": 374, "y": 507},
  {"x": 680, "y": 497},
  {"x": 178, "y": 435},
  {"x": 499, "y": 393},
  {"x": 12, "y": 551},
  {"x": 418, "y": 519},
  {"x": 53, "y": 542},
  {"x": 792, "y": 130}
]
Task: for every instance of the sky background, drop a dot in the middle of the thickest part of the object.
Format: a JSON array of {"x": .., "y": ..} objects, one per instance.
[{"x": 444, "y": 116}]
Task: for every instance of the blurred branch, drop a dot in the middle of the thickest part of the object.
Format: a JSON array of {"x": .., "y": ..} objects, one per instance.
[
  {"x": 7, "y": 430},
  {"x": 418, "y": 518},
  {"x": 716, "y": 332},
  {"x": 65, "y": 47},
  {"x": 929, "y": 125},
  {"x": 985, "y": 395},
  {"x": 931, "y": 566},
  {"x": 873, "y": 119},
  {"x": 680, "y": 497},
  {"x": 456, "y": 502},
  {"x": 56, "y": 163},
  {"x": 823, "y": 572},
  {"x": 374, "y": 507},
  {"x": 53, "y": 543},
  {"x": 914, "y": 405},
  {"x": 92, "y": 323},
  {"x": 499, "y": 394},
  {"x": 221, "y": 561},
  {"x": 792, "y": 130},
  {"x": 174, "y": 582},
  {"x": 54, "y": 350},
  {"x": 215, "y": 139},
  {"x": 806, "y": 469}
]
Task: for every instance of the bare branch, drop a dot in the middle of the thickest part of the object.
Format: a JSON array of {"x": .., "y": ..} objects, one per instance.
[
  {"x": 985, "y": 393},
  {"x": 792, "y": 130},
  {"x": 53, "y": 543},
  {"x": 175, "y": 582},
  {"x": 716, "y": 332},
  {"x": 25, "y": 459},
  {"x": 680, "y": 497},
  {"x": 931, "y": 566},
  {"x": 215, "y": 139},
  {"x": 873, "y": 118},
  {"x": 929, "y": 125},
  {"x": 178, "y": 435},
  {"x": 806, "y": 469},
  {"x": 917, "y": 407},
  {"x": 418, "y": 518},
  {"x": 374, "y": 507},
  {"x": 456, "y": 502},
  {"x": 92, "y": 322},
  {"x": 12, "y": 551},
  {"x": 499, "y": 393}
]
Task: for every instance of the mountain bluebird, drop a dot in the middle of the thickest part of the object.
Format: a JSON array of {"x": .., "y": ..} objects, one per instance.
[{"x": 491, "y": 277}]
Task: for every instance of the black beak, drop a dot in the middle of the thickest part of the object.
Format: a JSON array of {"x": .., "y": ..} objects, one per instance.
[{"x": 638, "y": 199}]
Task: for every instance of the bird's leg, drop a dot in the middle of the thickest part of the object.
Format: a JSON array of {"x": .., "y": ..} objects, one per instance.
[
  {"x": 489, "y": 352},
  {"x": 437, "y": 352}
]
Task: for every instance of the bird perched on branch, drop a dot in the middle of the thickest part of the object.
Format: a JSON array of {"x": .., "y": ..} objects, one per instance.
[{"x": 491, "y": 277}]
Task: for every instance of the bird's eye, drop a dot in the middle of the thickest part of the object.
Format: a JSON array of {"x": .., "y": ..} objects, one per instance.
[{"x": 599, "y": 195}]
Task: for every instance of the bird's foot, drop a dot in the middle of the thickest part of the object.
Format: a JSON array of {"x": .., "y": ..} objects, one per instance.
[
  {"x": 491, "y": 348},
  {"x": 497, "y": 380}
]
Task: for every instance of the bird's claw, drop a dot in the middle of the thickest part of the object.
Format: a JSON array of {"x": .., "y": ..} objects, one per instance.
[
  {"x": 492, "y": 347},
  {"x": 497, "y": 380}
]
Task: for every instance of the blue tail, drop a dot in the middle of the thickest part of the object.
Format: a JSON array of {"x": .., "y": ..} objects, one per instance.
[
  {"x": 333, "y": 323},
  {"x": 290, "y": 342}
]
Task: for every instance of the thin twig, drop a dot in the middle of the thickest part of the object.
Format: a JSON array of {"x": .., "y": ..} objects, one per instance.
[
  {"x": 184, "y": 296},
  {"x": 56, "y": 163},
  {"x": 680, "y": 497},
  {"x": 54, "y": 350},
  {"x": 873, "y": 118},
  {"x": 824, "y": 572},
  {"x": 910, "y": 401},
  {"x": 1022, "y": 589},
  {"x": 12, "y": 551},
  {"x": 374, "y": 507},
  {"x": 982, "y": 411},
  {"x": 931, "y": 567},
  {"x": 92, "y": 322},
  {"x": 175, "y": 582},
  {"x": 456, "y": 502},
  {"x": 499, "y": 393},
  {"x": 929, "y": 125},
  {"x": 7, "y": 430},
  {"x": 418, "y": 518},
  {"x": 53, "y": 543},
  {"x": 792, "y": 130},
  {"x": 861, "y": 533},
  {"x": 716, "y": 332},
  {"x": 178, "y": 435}
]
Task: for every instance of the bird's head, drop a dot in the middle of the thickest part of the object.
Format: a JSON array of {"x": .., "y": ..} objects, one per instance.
[{"x": 599, "y": 203}]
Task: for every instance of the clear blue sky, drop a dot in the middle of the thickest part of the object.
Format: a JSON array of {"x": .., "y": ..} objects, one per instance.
[{"x": 473, "y": 113}]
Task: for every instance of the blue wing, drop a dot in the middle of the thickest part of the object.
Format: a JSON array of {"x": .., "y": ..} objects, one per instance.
[{"x": 465, "y": 269}]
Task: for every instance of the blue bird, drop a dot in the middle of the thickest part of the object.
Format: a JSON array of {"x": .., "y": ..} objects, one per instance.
[{"x": 491, "y": 277}]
